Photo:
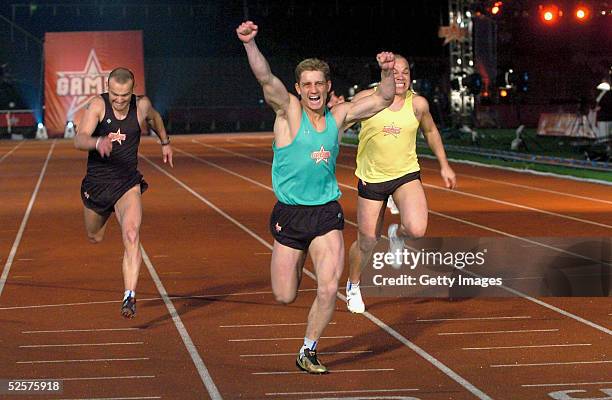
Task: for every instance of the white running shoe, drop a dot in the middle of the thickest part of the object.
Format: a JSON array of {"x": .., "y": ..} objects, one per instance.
[
  {"x": 354, "y": 302},
  {"x": 392, "y": 206},
  {"x": 396, "y": 244}
]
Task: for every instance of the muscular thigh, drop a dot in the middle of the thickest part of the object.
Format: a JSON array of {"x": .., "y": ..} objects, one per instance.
[
  {"x": 327, "y": 253},
  {"x": 370, "y": 214},
  {"x": 411, "y": 201},
  {"x": 129, "y": 208}
]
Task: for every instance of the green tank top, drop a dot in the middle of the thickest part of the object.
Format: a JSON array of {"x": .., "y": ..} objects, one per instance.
[{"x": 304, "y": 172}]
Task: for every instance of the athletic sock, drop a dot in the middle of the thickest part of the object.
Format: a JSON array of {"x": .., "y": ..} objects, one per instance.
[
  {"x": 308, "y": 344},
  {"x": 129, "y": 293},
  {"x": 350, "y": 286}
]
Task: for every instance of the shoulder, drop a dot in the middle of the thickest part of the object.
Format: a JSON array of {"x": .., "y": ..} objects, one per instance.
[
  {"x": 143, "y": 102},
  {"x": 96, "y": 104},
  {"x": 419, "y": 103}
]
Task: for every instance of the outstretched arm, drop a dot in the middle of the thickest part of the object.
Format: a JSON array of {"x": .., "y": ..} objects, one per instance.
[
  {"x": 365, "y": 107},
  {"x": 434, "y": 140},
  {"x": 156, "y": 122},
  {"x": 275, "y": 93},
  {"x": 83, "y": 139}
]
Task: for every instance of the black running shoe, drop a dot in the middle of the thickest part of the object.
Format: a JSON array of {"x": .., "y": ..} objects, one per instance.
[
  {"x": 310, "y": 363},
  {"x": 128, "y": 308}
]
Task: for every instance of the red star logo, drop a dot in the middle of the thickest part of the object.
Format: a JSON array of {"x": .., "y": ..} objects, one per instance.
[
  {"x": 117, "y": 136},
  {"x": 321, "y": 155},
  {"x": 391, "y": 130},
  {"x": 96, "y": 82}
]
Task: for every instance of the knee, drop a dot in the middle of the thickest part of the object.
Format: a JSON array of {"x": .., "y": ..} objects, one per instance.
[
  {"x": 95, "y": 238},
  {"x": 327, "y": 292},
  {"x": 367, "y": 243},
  {"x": 285, "y": 298},
  {"x": 131, "y": 235},
  {"x": 415, "y": 231}
]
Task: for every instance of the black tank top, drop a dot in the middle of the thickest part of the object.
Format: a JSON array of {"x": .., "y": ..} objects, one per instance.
[{"x": 125, "y": 135}]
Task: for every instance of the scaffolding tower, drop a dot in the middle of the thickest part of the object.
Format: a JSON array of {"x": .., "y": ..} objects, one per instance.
[{"x": 461, "y": 60}]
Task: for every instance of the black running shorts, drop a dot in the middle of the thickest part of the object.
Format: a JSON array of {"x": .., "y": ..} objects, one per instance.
[
  {"x": 102, "y": 196},
  {"x": 297, "y": 226},
  {"x": 381, "y": 191}
]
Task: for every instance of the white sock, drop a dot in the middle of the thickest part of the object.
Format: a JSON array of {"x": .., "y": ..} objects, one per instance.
[
  {"x": 129, "y": 293},
  {"x": 308, "y": 344},
  {"x": 350, "y": 286}
]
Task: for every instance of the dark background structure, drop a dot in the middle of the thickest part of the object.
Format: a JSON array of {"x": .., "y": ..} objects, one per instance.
[{"x": 197, "y": 72}]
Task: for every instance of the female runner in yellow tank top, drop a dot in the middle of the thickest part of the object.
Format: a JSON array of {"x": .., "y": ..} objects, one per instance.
[{"x": 387, "y": 165}]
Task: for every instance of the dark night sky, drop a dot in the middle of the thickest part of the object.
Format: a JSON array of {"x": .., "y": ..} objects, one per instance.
[{"x": 564, "y": 61}]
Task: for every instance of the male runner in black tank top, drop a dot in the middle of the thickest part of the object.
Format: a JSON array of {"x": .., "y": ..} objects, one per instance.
[{"x": 110, "y": 130}]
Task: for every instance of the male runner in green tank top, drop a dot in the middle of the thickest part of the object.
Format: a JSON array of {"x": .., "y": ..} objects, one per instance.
[{"x": 307, "y": 216}]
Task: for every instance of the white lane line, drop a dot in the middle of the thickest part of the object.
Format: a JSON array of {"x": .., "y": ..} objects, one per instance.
[
  {"x": 540, "y": 346},
  {"x": 473, "y": 319},
  {"x": 567, "y": 384},
  {"x": 496, "y": 332},
  {"x": 83, "y": 330},
  {"x": 344, "y": 392},
  {"x": 284, "y": 338},
  {"x": 24, "y": 221},
  {"x": 31, "y": 346},
  {"x": 318, "y": 352},
  {"x": 508, "y": 203},
  {"x": 267, "y": 325},
  {"x": 101, "y": 378},
  {"x": 442, "y": 367},
  {"x": 552, "y": 363},
  {"x": 178, "y": 323},
  {"x": 516, "y": 292},
  {"x": 10, "y": 151},
  {"x": 82, "y": 361},
  {"x": 335, "y": 371},
  {"x": 530, "y": 187}
]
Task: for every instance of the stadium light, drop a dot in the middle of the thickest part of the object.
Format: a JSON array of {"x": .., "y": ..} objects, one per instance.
[
  {"x": 496, "y": 9},
  {"x": 549, "y": 14},
  {"x": 582, "y": 12}
]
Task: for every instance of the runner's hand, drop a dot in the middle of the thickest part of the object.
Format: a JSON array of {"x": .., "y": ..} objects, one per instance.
[
  {"x": 386, "y": 60},
  {"x": 449, "y": 178},
  {"x": 167, "y": 154},
  {"x": 104, "y": 146},
  {"x": 246, "y": 31}
]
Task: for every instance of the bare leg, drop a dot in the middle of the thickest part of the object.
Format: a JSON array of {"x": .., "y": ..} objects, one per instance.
[
  {"x": 327, "y": 254},
  {"x": 286, "y": 272},
  {"x": 129, "y": 214},
  {"x": 95, "y": 225},
  {"x": 411, "y": 201},
  {"x": 370, "y": 215}
]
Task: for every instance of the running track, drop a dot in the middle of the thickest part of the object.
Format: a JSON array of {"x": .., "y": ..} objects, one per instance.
[{"x": 207, "y": 325}]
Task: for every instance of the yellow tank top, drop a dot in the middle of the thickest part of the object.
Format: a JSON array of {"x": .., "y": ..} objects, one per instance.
[{"x": 387, "y": 144}]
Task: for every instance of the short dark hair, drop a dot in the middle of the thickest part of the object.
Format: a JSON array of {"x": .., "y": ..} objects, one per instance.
[
  {"x": 312, "y": 64},
  {"x": 121, "y": 75}
]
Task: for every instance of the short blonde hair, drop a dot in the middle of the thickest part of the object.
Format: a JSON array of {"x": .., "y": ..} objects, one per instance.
[{"x": 312, "y": 64}]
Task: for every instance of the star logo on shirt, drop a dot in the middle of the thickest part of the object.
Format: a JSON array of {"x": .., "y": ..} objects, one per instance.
[
  {"x": 117, "y": 136},
  {"x": 321, "y": 155},
  {"x": 391, "y": 130},
  {"x": 278, "y": 228}
]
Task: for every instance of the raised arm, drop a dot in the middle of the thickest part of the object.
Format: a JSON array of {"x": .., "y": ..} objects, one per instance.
[
  {"x": 366, "y": 106},
  {"x": 83, "y": 140},
  {"x": 275, "y": 93},
  {"x": 156, "y": 122},
  {"x": 434, "y": 140}
]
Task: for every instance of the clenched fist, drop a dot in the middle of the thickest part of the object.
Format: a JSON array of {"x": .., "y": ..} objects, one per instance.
[
  {"x": 386, "y": 60},
  {"x": 246, "y": 31}
]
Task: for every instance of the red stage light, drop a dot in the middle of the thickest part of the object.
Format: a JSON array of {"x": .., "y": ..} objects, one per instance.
[
  {"x": 549, "y": 14},
  {"x": 582, "y": 12}
]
